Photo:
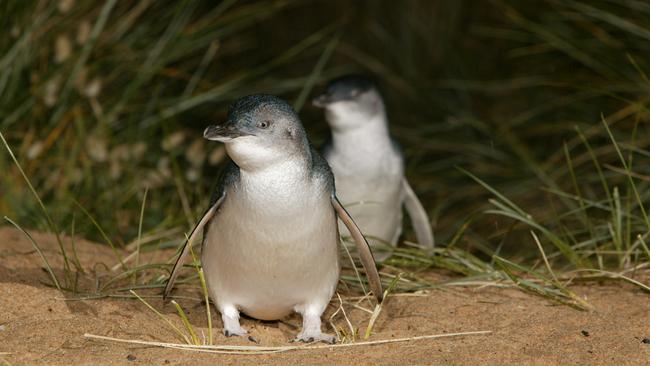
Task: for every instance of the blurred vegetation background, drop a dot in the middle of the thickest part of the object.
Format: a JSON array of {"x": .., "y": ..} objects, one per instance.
[{"x": 503, "y": 108}]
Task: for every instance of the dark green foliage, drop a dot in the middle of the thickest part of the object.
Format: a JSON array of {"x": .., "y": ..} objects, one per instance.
[{"x": 542, "y": 104}]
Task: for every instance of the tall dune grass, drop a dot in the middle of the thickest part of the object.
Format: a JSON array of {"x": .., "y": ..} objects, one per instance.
[{"x": 525, "y": 123}]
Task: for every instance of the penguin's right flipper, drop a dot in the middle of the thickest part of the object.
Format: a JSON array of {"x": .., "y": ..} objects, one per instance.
[
  {"x": 182, "y": 258},
  {"x": 419, "y": 217},
  {"x": 365, "y": 253}
]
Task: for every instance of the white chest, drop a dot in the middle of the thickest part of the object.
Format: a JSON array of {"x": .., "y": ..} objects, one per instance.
[{"x": 272, "y": 245}]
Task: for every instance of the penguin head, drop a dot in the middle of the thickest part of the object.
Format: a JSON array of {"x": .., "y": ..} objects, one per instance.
[
  {"x": 350, "y": 101},
  {"x": 260, "y": 131}
]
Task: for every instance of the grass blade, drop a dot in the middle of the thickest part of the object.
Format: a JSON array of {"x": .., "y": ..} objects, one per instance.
[{"x": 40, "y": 253}]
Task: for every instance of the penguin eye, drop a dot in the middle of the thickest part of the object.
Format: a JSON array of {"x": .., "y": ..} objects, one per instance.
[{"x": 263, "y": 124}]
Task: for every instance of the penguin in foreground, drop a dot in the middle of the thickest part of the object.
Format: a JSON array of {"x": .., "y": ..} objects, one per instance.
[
  {"x": 271, "y": 241},
  {"x": 368, "y": 165}
]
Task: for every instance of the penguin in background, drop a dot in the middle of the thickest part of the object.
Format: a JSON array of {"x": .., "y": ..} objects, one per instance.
[{"x": 368, "y": 165}]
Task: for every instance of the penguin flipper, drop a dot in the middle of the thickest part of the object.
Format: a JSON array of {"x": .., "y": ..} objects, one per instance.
[
  {"x": 182, "y": 258},
  {"x": 419, "y": 217},
  {"x": 365, "y": 253}
]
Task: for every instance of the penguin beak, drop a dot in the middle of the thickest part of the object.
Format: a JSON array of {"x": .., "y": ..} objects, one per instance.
[
  {"x": 223, "y": 132},
  {"x": 321, "y": 101}
]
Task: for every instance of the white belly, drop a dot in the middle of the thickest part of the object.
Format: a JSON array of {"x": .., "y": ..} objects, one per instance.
[
  {"x": 372, "y": 192},
  {"x": 375, "y": 206},
  {"x": 268, "y": 257}
]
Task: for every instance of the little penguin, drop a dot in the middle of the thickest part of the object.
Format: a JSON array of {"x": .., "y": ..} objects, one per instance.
[
  {"x": 368, "y": 164},
  {"x": 271, "y": 241}
]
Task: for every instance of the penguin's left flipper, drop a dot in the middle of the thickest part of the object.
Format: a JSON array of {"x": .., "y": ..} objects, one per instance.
[
  {"x": 419, "y": 217},
  {"x": 365, "y": 253},
  {"x": 182, "y": 258}
]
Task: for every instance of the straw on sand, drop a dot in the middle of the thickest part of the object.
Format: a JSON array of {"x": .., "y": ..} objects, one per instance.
[{"x": 252, "y": 350}]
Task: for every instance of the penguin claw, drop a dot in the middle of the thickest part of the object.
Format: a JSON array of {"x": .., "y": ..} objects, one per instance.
[
  {"x": 235, "y": 333},
  {"x": 322, "y": 337}
]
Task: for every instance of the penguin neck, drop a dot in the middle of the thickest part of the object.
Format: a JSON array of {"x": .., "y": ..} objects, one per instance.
[
  {"x": 281, "y": 173},
  {"x": 367, "y": 138}
]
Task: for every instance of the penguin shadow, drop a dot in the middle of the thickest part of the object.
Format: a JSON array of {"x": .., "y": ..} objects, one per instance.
[{"x": 286, "y": 327}]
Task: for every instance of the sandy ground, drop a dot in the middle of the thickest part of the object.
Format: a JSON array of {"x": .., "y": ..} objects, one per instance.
[{"x": 37, "y": 326}]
